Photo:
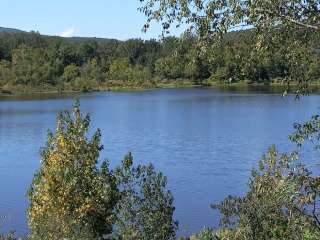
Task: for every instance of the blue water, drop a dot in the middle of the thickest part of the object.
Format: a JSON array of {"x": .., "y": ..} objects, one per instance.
[{"x": 205, "y": 141}]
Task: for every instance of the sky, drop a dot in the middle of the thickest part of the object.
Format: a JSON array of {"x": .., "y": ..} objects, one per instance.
[{"x": 117, "y": 19}]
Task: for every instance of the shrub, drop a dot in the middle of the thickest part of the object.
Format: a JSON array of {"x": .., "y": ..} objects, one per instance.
[
  {"x": 70, "y": 197},
  {"x": 276, "y": 205},
  {"x": 145, "y": 210}
]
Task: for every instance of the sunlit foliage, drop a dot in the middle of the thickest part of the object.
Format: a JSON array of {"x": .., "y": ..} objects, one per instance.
[
  {"x": 31, "y": 62},
  {"x": 281, "y": 26},
  {"x": 276, "y": 205},
  {"x": 214, "y": 16},
  {"x": 70, "y": 198}
]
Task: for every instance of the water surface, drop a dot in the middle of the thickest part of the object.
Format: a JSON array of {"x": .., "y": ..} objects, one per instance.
[{"x": 205, "y": 141}]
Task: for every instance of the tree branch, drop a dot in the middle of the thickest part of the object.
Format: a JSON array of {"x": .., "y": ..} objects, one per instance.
[{"x": 290, "y": 19}]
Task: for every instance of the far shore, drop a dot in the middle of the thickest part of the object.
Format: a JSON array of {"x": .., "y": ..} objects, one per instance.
[{"x": 237, "y": 86}]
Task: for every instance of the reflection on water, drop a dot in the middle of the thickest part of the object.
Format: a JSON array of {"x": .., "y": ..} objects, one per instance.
[{"x": 205, "y": 141}]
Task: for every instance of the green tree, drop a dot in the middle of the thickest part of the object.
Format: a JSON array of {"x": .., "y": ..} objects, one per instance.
[
  {"x": 196, "y": 68},
  {"x": 70, "y": 197},
  {"x": 31, "y": 67},
  {"x": 123, "y": 72},
  {"x": 276, "y": 205},
  {"x": 35, "y": 62},
  {"x": 282, "y": 200},
  {"x": 5, "y": 72},
  {"x": 170, "y": 67},
  {"x": 205, "y": 234},
  {"x": 119, "y": 69},
  {"x": 293, "y": 21},
  {"x": 91, "y": 72},
  {"x": 145, "y": 210},
  {"x": 213, "y": 16},
  {"x": 71, "y": 77},
  {"x": 91, "y": 76},
  {"x": 70, "y": 73}
]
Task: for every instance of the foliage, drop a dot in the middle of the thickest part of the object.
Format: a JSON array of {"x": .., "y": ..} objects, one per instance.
[
  {"x": 282, "y": 199},
  {"x": 91, "y": 76},
  {"x": 31, "y": 67},
  {"x": 123, "y": 70},
  {"x": 308, "y": 131},
  {"x": 70, "y": 197},
  {"x": 281, "y": 202},
  {"x": 214, "y": 16},
  {"x": 9, "y": 236},
  {"x": 169, "y": 67},
  {"x": 29, "y": 61},
  {"x": 145, "y": 210},
  {"x": 206, "y": 234},
  {"x": 4, "y": 72},
  {"x": 283, "y": 26},
  {"x": 70, "y": 73}
]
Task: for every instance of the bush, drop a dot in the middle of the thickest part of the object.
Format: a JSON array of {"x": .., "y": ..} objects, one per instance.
[
  {"x": 123, "y": 70},
  {"x": 145, "y": 210},
  {"x": 276, "y": 205},
  {"x": 70, "y": 197}
]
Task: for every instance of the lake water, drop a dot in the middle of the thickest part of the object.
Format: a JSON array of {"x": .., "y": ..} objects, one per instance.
[{"x": 204, "y": 140}]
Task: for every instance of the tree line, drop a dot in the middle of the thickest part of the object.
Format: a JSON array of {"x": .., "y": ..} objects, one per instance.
[{"x": 32, "y": 62}]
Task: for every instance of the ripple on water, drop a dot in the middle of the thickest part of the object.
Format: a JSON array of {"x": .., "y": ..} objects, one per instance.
[{"x": 206, "y": 141}]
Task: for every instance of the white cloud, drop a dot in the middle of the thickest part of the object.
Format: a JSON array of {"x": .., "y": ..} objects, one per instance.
[{"x": 67, "y": 33}]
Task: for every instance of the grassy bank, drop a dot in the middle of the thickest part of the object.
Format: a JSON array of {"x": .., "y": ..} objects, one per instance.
[{"x": 275, "y": 87}]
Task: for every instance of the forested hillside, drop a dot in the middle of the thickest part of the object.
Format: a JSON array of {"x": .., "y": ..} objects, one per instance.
[
  {"x": 31, "y": 62},
  {"x": 9, "y": 30}
]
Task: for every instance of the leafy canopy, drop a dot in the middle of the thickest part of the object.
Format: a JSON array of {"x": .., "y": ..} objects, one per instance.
[
  {"x": 285, "y": 25},
  {"x": 211, "y": 16}
]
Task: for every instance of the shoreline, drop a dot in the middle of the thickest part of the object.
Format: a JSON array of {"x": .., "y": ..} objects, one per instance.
[{"x": 240, "y": 86}]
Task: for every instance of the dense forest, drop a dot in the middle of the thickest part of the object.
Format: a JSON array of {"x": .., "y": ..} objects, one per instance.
[{"x": 32, "y": 62}]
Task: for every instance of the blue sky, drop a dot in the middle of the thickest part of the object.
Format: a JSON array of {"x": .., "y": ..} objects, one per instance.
[{"x": 118, "y": 19}]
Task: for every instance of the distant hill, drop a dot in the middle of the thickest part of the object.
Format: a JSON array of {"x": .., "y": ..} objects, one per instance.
[
  {"x": 4, "y": 30},
  {"x": 10, "y": 30}
]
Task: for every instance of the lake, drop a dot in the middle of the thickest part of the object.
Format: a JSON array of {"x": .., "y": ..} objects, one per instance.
[{"x": 204, "y": 140}]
